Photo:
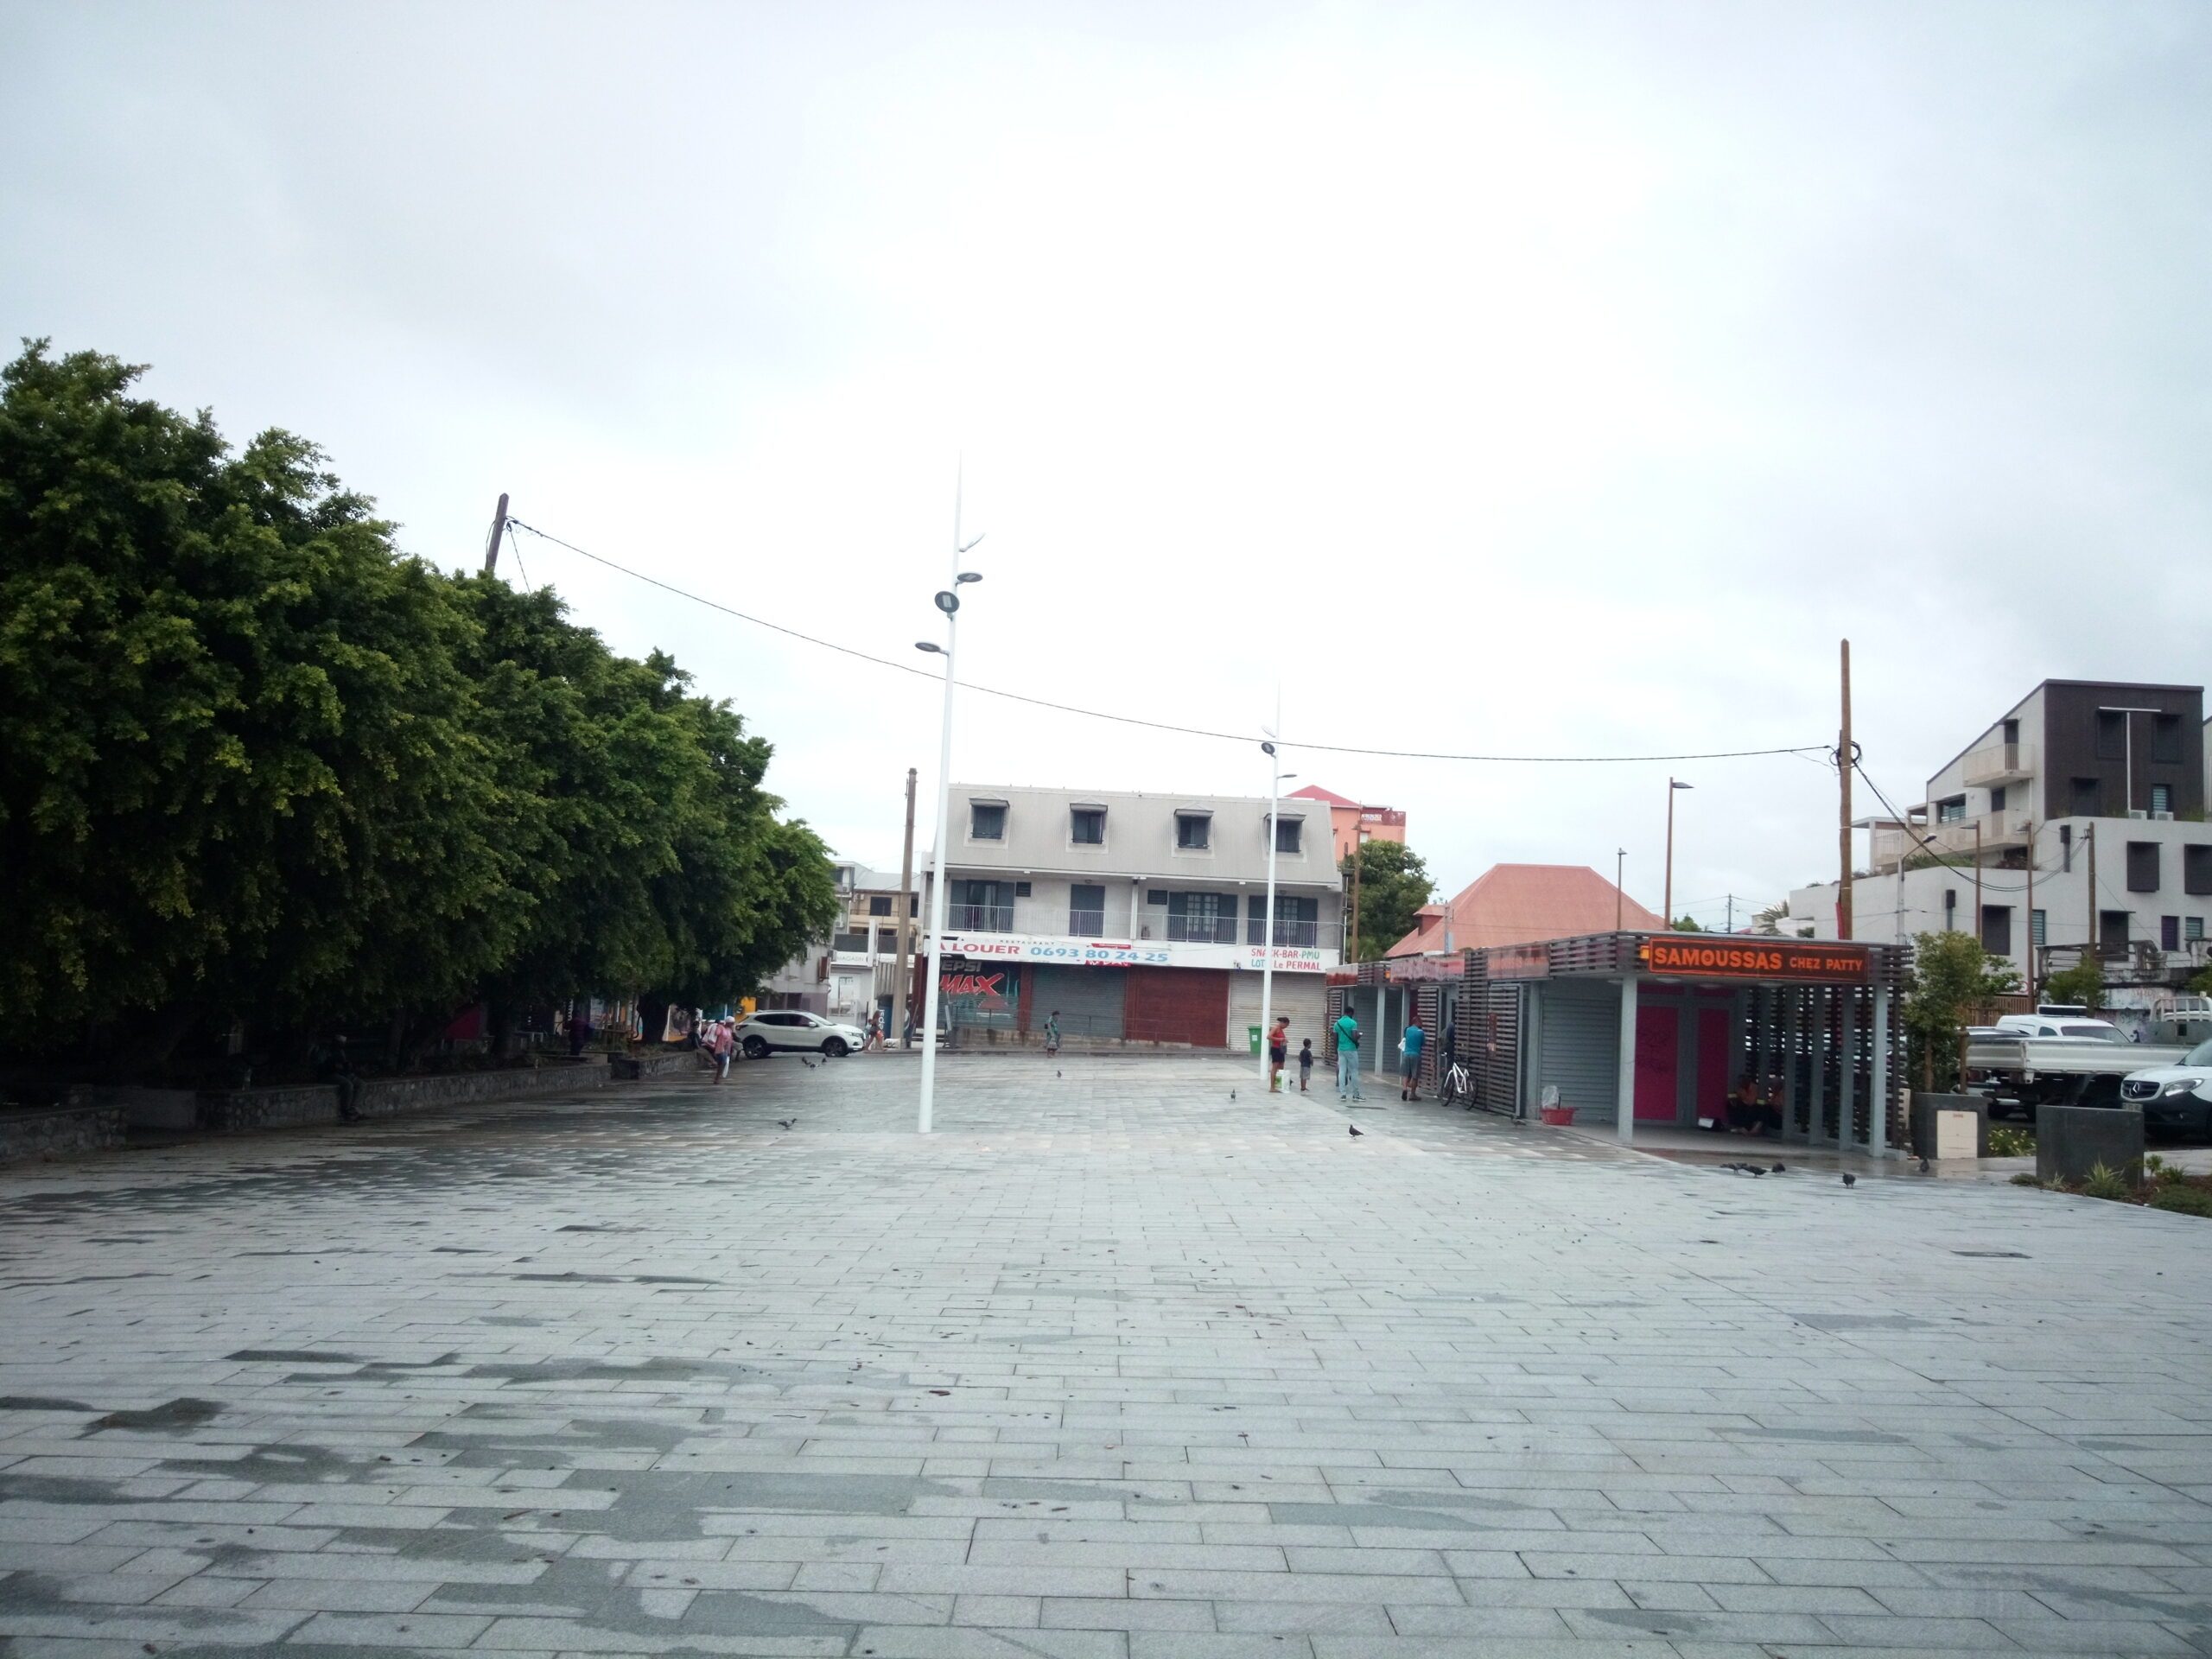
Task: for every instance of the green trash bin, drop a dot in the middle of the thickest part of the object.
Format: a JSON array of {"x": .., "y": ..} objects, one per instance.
[{"x": 1254, "y": 1030}]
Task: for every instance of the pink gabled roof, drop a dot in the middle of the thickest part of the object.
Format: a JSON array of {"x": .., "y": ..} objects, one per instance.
[
  {"x": 1315, "y": 793},
  {"x": 1521, "y": 904}
]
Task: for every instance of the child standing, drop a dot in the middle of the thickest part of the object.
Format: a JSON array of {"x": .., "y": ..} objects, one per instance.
[{"x": 1305, "y": 1064}]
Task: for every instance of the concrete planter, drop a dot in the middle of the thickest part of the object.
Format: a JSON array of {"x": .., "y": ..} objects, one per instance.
[
  {"x": 1923, "y": 1111},
  {"x": 2071, "y": 1140}
]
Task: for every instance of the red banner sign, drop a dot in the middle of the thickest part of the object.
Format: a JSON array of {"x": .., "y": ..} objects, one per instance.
[{"x": 1690, "y": 956}]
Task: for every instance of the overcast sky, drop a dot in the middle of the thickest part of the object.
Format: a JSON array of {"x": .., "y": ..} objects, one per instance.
[{"x": 1537, "y": 378}]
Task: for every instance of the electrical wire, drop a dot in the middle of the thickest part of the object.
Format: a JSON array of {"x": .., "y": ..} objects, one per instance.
[
  {"x": 1802, "y": 749},
  {"x": 1928, "y": 843}
]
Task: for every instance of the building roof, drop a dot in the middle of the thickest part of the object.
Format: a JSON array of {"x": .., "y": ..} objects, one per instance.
[
  {"x": 1315, "y": 793},
  {"x": 1520, "y": 904}
]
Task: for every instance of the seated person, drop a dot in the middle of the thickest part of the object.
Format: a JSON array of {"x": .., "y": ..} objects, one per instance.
[{"x": 1751, "y": 1110}]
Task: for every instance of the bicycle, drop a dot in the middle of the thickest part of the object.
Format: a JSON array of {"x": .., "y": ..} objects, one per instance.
[{"x": 1456, "y": 1085}]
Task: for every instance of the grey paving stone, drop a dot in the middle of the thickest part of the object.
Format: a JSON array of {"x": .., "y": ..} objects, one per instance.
[{"x": 1109, "y": 1357}]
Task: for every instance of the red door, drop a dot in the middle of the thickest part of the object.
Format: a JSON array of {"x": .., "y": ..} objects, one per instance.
[
  {"x": 1712, "y": 1056},
  {"x": 1657, "y": 1033}
]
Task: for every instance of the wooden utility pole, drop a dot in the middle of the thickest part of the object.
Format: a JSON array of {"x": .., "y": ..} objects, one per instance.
[
  {"x": 1620, "y": 869},
  {"x": 2096, "y": 943},
  {"x": 1358, "y": 845},
  {"x": 905, "y": 922},
  {"x": 491, "y": 542},
  {"x": 1981, "y": 933},
  {"x": 1843, "y": 767}
]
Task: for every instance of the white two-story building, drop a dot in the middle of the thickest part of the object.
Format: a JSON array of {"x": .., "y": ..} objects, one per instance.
[{"x": 1137, "y": 918}]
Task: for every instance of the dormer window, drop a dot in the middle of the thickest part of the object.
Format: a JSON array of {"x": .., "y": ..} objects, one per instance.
[
  {"x": 1288, "y": 832},
  {"x": 1193, "y": 831},
  {"x": 986, "y": 821},
  {"x": 1087, "y": 825}
]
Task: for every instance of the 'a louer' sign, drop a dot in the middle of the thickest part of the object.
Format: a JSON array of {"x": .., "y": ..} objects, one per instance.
[
  {"x": 1142, "y": 953},
  {"x": 1689, "y": 956}
]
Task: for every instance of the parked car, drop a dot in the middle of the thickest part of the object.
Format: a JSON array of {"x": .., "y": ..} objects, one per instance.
[
  {"x": 2037, "y": 1024},
  {"x": 759, "y": 1035},
  {"x": 2175, "y": 1099}
]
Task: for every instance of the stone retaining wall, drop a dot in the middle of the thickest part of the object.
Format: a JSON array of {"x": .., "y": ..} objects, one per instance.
[
  {"x": 64, "y": 1132},
  {"x": 683, "y": 1063},
  {"x": 389, "y": 1096}
]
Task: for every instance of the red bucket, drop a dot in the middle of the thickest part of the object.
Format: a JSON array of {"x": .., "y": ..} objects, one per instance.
[{"x": 1557, "y": 1116}]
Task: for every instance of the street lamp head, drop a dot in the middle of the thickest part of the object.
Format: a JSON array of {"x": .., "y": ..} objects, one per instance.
[
  {"x": 1672, "y": 784},
  {"x": 1267, "y": 749},
  {"x": 948, "y": 601},
  {"x": 928, "y": 646},
  {"x": 970, "y": 576}
]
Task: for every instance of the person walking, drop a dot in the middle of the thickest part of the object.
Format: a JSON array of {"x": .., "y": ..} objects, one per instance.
[
  {"x": 724, "y": 1039},
  {"x": 1305, "y": 1064},
  {"x": 1278, "y": 1051},
  {"x": 1347, "y": 1030},
  {"x": 875, "y": 1030},
  {"x": 1052, "y": 1034},
  {"x": 1409, "y": 1047}
]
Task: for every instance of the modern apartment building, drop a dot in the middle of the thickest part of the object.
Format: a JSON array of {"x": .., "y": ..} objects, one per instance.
[
  {"x": 1138, "y": 918},
  {"x": 2078, "y": 776}
]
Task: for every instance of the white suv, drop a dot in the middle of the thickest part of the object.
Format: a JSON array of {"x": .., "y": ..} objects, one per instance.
[{"x": 761, "y": 1034}]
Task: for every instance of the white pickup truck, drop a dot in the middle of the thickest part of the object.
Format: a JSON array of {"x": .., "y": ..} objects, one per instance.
[{"x": 2028, "y": 1060}]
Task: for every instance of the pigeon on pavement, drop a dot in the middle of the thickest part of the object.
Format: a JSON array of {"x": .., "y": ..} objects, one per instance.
[
  {"x": 1850, "y": 1181},
  {"x": 1354, "y": 1127},
  {"x": 785, "y": 1122},
  {"x": 1776, "y": 1170}
]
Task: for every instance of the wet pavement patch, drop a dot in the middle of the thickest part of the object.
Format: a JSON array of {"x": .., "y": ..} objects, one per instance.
[{"x": 171, "y": 1414}]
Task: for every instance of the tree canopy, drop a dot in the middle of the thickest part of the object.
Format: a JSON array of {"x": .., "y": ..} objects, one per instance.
[
  {"x": 255, "y": 763},
  {"x": 1394, "y": 883}
]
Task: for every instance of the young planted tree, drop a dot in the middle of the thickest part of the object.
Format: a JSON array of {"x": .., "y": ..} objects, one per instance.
[{"x": 1952, "y": 978}]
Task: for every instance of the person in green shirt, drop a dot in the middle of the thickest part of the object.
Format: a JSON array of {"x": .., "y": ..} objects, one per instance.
[{"x": 1347, "y": 1030}]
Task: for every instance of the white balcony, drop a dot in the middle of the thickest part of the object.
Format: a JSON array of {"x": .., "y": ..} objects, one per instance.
[
  {"x": 1957, "y": 840},
  {"x": 2000, "y": 763}
]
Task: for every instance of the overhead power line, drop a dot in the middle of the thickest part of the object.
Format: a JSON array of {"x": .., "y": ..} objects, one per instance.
[{"x": 1132, "y": 720}]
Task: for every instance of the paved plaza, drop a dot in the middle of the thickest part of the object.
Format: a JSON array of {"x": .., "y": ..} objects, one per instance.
[{"x": 1113, "y": 1366}]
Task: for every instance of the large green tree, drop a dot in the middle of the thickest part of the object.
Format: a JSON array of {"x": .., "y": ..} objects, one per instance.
[
  {"x": 1394, "y": 883},
  {"x": 239, "y": 768},
  {"x": 657, "y": 859},
  {"x": 254, "y": 764}
]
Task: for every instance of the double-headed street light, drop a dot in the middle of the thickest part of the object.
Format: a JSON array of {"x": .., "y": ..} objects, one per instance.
[{"x": 947, "y": 600}]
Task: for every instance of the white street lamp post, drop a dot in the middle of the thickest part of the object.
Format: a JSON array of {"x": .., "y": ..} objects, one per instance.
[
  {"x": 1268, "y": 927},
  {"x": 948, "y": 602}
]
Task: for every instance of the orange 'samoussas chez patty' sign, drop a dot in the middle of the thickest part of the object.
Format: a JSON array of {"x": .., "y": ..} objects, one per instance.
[{"x": 1691, "y": 957}]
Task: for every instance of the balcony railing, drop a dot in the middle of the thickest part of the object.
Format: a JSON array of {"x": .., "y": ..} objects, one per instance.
[
  {"x": 1086, "y": 923},
  {"x": 1305, "y": 935},
  {"x": 979, "y": 919},
  {"x": 1201, "y": 929},
  {"x": 1956, "y": 840},
  {"x": 2000, "y": 763}
]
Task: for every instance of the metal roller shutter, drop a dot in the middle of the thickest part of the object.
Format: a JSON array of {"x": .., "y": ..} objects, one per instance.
[
  {"x": 1090, "y": 1000},
  {"x": 1304, "y": 997},
  {"x": 1578, "y": 1046},
  {"x": 1176, "y": 1005}
]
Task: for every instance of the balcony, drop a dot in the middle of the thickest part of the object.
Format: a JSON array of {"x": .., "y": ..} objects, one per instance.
[
  {"x": 2000, "y": 763},
  {"x": 1305, "y": 935},
  {"x": 1957, "y": 840},
  {"x": 1201, "y": 929},
  {"x": 979, "y": 919},
  {"x": 1086, "y": 923}
]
